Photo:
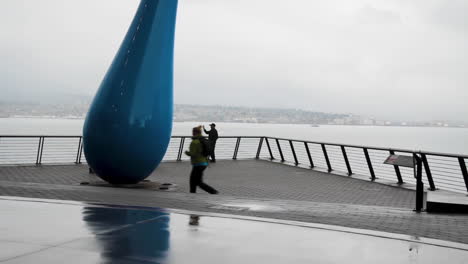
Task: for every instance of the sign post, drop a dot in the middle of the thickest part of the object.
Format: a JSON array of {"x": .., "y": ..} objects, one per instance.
[{"x": 414, "y": 162}]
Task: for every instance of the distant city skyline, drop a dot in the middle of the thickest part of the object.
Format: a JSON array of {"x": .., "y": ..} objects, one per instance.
[
  {"x": 74, "y": 107},
  {"x": 393, "y": 59}
]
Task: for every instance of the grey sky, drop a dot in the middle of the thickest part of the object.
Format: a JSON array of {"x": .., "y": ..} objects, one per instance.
[{"x": 389, "y": 58}]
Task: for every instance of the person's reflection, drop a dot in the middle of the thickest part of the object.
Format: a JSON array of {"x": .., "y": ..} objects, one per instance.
[{"x": 127, "y": 235}]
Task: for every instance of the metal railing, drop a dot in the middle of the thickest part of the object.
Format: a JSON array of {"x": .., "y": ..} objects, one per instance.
[{"x": 441, "y": 170}]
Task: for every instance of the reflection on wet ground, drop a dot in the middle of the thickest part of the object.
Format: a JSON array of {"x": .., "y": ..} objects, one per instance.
[
  {"x": 129, "y": 234},
  {"x": 33, "y": 231}
]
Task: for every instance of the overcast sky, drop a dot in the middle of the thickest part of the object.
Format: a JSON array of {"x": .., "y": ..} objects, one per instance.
[{"x": 397, "y": 59}]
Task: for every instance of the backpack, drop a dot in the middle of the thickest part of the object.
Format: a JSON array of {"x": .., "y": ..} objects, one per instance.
[{"x": 206, "y": 147}]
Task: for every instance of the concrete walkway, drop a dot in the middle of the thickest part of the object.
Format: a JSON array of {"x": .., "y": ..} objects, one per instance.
[
  {"x": 251, "y": 188},
  {"x": 247, "y": 179}
]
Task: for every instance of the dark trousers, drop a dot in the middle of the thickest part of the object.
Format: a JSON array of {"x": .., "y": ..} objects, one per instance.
[
  {"x": 213, "y": 146},
  {"x": 196, "y": 179}
]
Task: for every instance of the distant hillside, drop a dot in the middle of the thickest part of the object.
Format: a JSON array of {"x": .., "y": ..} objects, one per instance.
[
  {"x": 252, "y": 115},
  {"x": 69, "y": 106}
]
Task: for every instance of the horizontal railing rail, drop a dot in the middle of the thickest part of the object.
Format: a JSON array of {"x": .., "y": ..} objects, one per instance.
[
  {"x": 378, "y": 148},
  {"x": 442, "y": 170}
]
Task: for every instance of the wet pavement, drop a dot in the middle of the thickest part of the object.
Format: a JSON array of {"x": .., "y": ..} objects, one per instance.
[
  {"x": 39, "y": 231},
  {"x": 251, "y": 189}
]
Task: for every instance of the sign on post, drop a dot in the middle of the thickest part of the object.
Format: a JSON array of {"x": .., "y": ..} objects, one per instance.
[
  {"x": 414, "y": 162},
  {"x": 400, "y": 160}
]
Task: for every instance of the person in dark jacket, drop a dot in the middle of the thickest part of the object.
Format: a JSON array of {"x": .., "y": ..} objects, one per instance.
[
  {"x": 199, "y": 163},
  {"x": 212, "y": 138}
]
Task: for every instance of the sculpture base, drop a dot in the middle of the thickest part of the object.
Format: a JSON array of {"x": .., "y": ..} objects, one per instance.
[{"x": 146, "y": 185}]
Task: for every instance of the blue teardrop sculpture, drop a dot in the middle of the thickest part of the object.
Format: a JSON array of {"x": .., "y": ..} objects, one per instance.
[{"x": 128, "y": 126}]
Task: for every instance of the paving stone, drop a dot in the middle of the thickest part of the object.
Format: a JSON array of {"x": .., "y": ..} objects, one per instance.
[
  {"x": 269, "y": 190},
  {"x": 259, "y": 179}
]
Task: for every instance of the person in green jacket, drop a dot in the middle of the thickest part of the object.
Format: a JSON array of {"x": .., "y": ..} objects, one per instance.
[{"x": 199, "y": 163}]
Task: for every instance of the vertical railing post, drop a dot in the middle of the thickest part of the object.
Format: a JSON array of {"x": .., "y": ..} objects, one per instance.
[
  {"x": 78, "y": 151},
  {"x": 42, "y": 150},
  {"x": 325, "y": 154},
  {"x": 428, "y": 172},
  {"x": 293, "y": 152},
  {"x": 81, "y": 154},
  {"x": 461, "y": 161},
  {"x": 308, "y": 154},
  {"x": 419, "y": 183},
  {"x": 259, "y": 149},
  {"x": 181, "y": 149},
  {"x": 269, "y": 149},
  {"x": 279, "y": 150},
  {"x": 38, "y": 150},
  {"x": 236, "y": 149},
  {"x": 397, "y": 169},
  {"x": 348, "y": 165},
  {"x": 369, "y": 164}
]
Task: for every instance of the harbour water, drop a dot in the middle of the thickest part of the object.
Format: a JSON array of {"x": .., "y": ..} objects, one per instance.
[{"x": 443, "y": 139}]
